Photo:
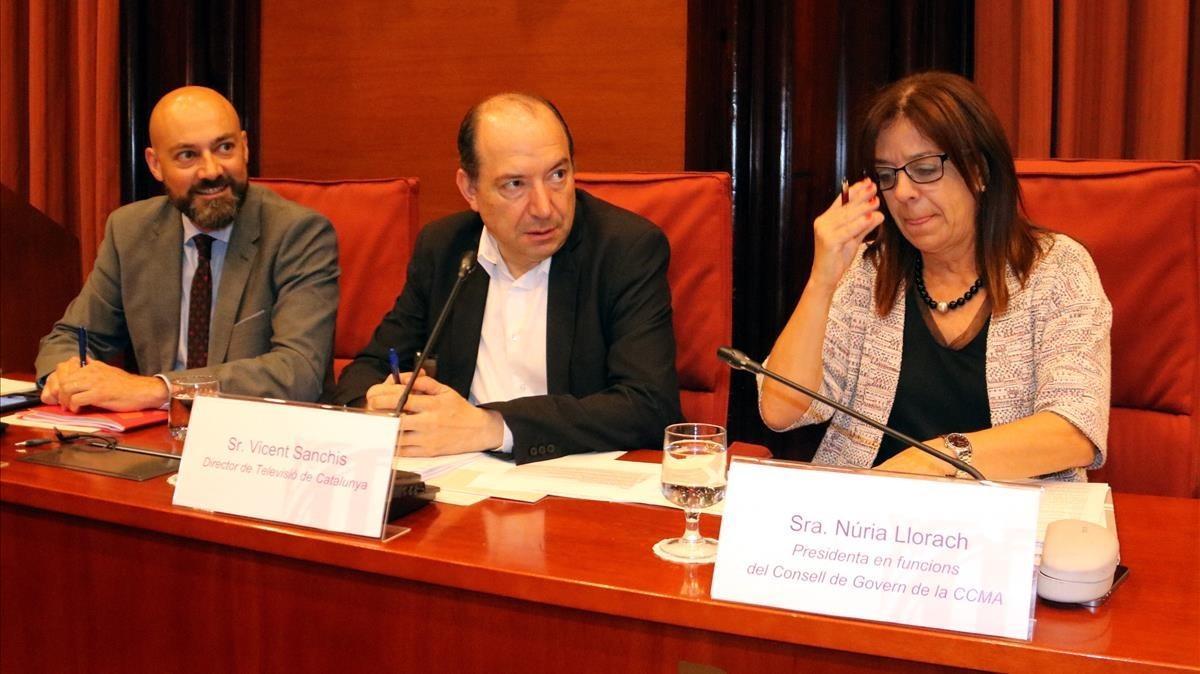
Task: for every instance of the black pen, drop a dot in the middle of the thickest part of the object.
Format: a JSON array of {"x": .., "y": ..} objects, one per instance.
[{"x": 81, "y": 333}]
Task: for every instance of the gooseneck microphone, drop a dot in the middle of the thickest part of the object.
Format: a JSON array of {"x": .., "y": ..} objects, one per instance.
[
  {"x": 465, "y": 266},
  {"x": 740, "y": 361}
]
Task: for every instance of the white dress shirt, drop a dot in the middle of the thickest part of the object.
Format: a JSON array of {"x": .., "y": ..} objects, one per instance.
[
  {"x": 511, "y": 362},
  {"x": 191, "y": 257}
]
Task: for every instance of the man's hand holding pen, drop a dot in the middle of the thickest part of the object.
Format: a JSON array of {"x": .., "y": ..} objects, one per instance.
[
  {"x": 841, "y": 229},
  {"x": 101, "y": 385},
  {"x": 437, "y": 419}
]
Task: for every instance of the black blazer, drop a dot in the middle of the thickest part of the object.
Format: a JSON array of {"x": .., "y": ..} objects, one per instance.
[{"x": 610, "y": 346}]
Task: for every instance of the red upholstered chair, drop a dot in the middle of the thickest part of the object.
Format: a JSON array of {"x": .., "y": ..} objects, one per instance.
[
  {"x": 376, "y": 224},
  {"x": 696, "y": 212},
  {"x": 1141, "y": 222}
]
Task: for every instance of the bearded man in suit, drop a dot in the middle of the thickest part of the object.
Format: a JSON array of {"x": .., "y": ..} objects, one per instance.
[
  {"x": 216, "y": 277},
  {"x": 561, "y": 339}
]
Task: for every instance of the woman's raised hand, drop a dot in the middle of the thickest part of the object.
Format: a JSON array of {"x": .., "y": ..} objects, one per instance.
[{"x": 840, "y": 230}]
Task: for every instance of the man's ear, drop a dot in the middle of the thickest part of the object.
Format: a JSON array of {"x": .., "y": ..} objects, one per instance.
[
  {"x": 245, "y": 148},
  {"x": 468, "y": 189},
  {"x": 152, "y": 162}
]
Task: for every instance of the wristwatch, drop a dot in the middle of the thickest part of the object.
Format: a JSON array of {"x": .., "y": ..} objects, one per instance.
[{"x": 961, "y": 446}]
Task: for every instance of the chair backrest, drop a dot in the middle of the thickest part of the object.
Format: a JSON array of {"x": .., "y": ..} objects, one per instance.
[
  {"x": 695, "y": 210},
  {"x": 1141, "y": 222},
  {"x": 376, "y": 224}
]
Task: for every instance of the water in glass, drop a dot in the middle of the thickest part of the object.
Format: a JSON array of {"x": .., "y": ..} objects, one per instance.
[
  {"x": 183, "y": 393},
  {"x": 693, "y": 478}
]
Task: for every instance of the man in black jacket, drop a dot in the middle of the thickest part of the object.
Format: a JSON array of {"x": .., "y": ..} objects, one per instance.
[{"x": 561, "y": 339}]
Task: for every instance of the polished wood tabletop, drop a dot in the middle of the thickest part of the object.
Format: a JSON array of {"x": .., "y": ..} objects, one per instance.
[{"x": 586, "y": 564}]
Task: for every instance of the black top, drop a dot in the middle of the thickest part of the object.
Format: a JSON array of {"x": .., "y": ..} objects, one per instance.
[{"x": 941, "y": 389}]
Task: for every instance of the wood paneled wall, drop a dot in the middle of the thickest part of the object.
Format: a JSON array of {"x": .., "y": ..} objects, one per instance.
[{"x": 377, "y": 88}]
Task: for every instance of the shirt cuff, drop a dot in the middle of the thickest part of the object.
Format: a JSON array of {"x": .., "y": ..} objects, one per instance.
[
  {"x": 507, "y": 445},
  {"x": 166, "y": 382}
]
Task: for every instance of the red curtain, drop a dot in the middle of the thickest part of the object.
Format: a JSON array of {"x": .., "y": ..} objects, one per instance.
[
  {"x": 1089, "y": 78},
  {"x": 59, "y": 111}
]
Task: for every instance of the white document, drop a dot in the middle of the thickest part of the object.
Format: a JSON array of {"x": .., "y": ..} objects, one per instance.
[
  {"x": 457, "y": 488},
  {"x": 650, "y": 493},
  {"x": 434, "y": 470},
  {"x": 1087, "y": 501},
  {"x": 10, "y": 387},
  {"x": 429, "y": 467},
  {"x": 458, "y": 498},
  {"x": 583, "y": 476},
  {"x": 455, "y": 475},
  {"x": 594, "y": 477}
]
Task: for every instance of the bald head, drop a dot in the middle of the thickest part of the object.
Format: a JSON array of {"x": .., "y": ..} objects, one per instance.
[
  {"x": 506, "y": 109},
  {"x": 199, "y": 152},
  {"x": 186, "y": 106}
]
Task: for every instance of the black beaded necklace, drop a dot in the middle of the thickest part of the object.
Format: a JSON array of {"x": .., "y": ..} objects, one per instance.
[{"x": 943, "y": 307}]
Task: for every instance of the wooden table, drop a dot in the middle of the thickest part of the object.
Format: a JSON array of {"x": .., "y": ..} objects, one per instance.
[{"x": 101, "y": 574}]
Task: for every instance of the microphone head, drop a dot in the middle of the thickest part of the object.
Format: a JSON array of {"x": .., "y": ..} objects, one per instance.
[
  {"x": 466, "y": 264},
  {"x": 735, "y": 358}
]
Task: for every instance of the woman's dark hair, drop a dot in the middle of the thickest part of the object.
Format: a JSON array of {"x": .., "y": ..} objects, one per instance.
[{"x": 951, "y": 111}]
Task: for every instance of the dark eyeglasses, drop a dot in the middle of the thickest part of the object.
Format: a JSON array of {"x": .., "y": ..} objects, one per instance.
[
  {"x": 94, "y": 442},
  {"x": 921, "y": 170}
]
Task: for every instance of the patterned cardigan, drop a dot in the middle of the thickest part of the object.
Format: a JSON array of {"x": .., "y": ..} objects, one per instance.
[{"x": 1049, "y": 351}]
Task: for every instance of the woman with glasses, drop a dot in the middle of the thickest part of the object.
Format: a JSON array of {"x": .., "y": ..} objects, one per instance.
[{"x": 934, "y": 306}]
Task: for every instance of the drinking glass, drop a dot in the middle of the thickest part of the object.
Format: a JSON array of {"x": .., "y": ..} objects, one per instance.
[
  {"x": 693, "y": 478},
  {"x": 183, "y": 393}
]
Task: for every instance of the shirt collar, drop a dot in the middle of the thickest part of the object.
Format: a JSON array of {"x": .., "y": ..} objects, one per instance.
[
  {"x": 190, "y": 230},
  {"x": 493, "y": 263}
]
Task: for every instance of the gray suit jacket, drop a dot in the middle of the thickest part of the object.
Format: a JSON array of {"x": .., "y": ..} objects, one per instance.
[{"x": 272, "y": 327}]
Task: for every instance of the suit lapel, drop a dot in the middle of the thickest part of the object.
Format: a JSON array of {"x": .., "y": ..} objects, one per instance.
[
  {"x": 165, "y": 252},
  {"x": 456, "y": 361},
  {"x": 239, "y": 257},
  {"x": 561, "y": 305}
]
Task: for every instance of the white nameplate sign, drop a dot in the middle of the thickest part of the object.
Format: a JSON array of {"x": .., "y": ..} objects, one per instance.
[
  {"x": 320, "y": 468},
  {"x": 948, "y": 554}
]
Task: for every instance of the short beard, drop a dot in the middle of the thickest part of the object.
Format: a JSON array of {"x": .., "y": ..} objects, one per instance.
[{"x": 211, "y": 214}]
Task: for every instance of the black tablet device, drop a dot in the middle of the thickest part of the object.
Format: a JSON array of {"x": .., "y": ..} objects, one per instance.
[{"x": 13, "y": 402}]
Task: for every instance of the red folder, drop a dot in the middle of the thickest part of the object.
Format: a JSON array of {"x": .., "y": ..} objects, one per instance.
[{"x": 115, "y": 422}]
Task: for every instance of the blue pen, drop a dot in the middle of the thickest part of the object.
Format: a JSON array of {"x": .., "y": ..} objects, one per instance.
[
  {"x": 394, "y": 362},
  {"x": 81, "y": 333}
]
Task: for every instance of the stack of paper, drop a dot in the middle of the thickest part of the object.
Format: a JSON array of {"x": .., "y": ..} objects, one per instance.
[
  {"x": 585, "y": 476},
  {"x": 11, "y": 387},
  {"x": 595, "y": 477},
  {"x": 433, "y": 466},
  {"x": 457, "y": 486},
  {"x": 1087, "y": 501}
]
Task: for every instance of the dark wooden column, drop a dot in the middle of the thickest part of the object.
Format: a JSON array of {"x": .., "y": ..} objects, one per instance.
[
  {"x": 167, "y": 44},
  {"x": 738, "y": 103},
  {"x": 773, "y": 90}
]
